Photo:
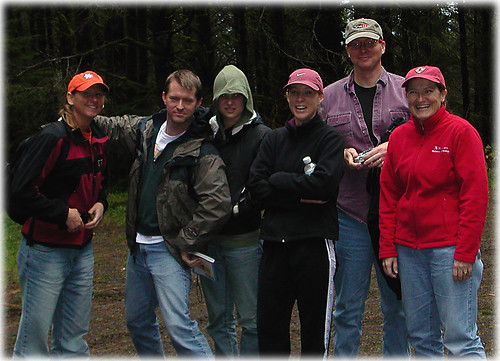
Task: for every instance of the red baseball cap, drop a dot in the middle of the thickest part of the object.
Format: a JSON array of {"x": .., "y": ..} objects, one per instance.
[
  {"x": 431, "y": 73},
  {"x": 307, "y": 77},
  {"x": 85, "y": 80}
]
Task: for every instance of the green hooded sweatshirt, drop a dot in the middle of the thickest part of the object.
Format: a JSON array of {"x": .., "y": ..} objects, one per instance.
[{"x": 232, "y": 80}]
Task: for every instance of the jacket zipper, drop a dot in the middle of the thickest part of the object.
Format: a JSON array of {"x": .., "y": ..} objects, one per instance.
[
  {"x": 93, "y": 159},
  {"x": 413, "y": 175}
]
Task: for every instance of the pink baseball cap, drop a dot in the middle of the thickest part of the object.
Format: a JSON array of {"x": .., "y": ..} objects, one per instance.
[
  {"x": 431, "y": 73},
  {"x": 307, "y": 77}
]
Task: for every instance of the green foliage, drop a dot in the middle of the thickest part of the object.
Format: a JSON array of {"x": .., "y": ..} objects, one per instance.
[
  {"x": 12, "y": 237},
  {"x": 490, "y": 155},
  {"x": 116, "y": 209}
]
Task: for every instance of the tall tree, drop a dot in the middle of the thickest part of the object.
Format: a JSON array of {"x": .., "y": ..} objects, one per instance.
[
  {"x": 205, "y": 52},
  {"x": 240, "y": 26},
  {"x": 463, "y": 62}
]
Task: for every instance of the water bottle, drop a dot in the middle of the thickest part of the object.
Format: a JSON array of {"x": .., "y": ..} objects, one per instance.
[{"x": 308, "y": 165}]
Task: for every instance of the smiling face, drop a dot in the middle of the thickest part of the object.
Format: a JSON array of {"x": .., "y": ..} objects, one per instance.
[
  {"x": 366, "y": 53},
  {"x": 303, "y": 102},
  {"x": 424, "y": 98},
  {"x": 87, "y": 104}
]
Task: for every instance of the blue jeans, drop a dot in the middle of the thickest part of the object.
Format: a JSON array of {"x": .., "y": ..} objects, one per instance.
[
  {"x": 432, "y": 299},
  {"x": 155, "y": 278},
  {"x": 237, "y": 271},
  {"x": 355, "y": 257},
  {"x": 56, "y": 287}
]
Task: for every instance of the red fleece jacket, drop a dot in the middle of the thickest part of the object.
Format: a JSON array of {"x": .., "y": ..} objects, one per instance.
[{"x": 434, "y": 187}]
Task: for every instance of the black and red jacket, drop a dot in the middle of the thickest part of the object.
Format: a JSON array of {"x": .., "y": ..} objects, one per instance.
[{"x": 59, "y": 170}]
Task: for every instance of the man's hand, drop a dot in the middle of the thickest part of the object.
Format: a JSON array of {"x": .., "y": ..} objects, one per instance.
[
  {"x": 349, "y": 155},
  {"x": 191, "y": 260},
  {"x": 375, "y": 157}
]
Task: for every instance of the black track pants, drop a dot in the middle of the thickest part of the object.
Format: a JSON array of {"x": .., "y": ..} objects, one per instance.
[{"x": 299, "y": 271}]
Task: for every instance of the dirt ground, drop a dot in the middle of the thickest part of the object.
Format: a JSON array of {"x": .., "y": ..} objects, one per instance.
[{"x": 108, "y": 335}]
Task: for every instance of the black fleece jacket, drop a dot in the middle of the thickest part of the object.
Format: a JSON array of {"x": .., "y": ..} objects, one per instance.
[
  {"x": 278, "y": 182},
  {"x": 238, "y": 152}
]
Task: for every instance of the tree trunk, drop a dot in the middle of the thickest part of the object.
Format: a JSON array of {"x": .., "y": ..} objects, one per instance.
[{"x": 463, "y": 62}]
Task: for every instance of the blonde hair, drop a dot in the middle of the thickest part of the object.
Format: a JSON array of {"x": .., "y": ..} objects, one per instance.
[
  {"x": 187, "y": 79},
  {"x": 66, "y": 113}
]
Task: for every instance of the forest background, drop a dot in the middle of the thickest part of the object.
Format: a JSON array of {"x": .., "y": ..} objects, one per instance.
[{"x": 134, "y": 48}]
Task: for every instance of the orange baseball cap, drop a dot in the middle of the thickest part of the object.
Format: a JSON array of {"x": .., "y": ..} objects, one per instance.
[{"x": 85, "y": 80}]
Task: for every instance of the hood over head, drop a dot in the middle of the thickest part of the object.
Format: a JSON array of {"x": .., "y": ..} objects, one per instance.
[{"x": 232, "y": 80}]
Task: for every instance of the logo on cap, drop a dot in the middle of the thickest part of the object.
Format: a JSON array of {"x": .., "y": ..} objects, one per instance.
[
  {"x": 87, "y": 76},
  {"x": 300, "y": 74},
  {"x": 360, "y": 26},
  {"x": 420, "y": 69}
]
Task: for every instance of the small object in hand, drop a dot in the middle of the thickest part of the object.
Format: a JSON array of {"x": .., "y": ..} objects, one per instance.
[
  {"x": 86, "y": 217},
  {"x": 361, "y": 156}
]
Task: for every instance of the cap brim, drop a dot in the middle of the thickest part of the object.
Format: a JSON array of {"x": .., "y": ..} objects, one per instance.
[
  {"x": 362, "y": 35},
  {"x": 309, "y": 84},
  {"x": 430, "y": 78},
  {"x": 85, "y": 86}
]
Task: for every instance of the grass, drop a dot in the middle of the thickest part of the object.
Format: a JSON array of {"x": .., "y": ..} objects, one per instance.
[
  {"x": 117, "y": 208},
  {"x": 12, "y": 237}
]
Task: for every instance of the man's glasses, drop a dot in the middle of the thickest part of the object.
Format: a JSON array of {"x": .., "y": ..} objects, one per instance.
[{"x": 357, "y": 45}]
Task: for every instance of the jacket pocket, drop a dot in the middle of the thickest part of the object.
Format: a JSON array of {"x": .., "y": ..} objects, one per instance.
[
  {"x": 450, "y": 216},
  {"x": 445, "y": 215},
  {"x": 342, "y": 124},
  {"x": 176, "y": 203}
]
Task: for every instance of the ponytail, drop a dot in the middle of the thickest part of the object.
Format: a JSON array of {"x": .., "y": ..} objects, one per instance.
[{"x": 66, "y": 112}]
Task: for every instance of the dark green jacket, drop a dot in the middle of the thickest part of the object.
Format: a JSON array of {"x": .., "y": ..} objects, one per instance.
[{"x": 193, "y": 200}]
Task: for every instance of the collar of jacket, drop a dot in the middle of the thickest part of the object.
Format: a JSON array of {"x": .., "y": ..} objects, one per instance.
[
  {"x": 76, "y": 135},
  {"x": 255, "y": 118},
  {"x": 431, "y": 123},
  {"x": 220, "y": 133},
  {"x": 304, "y": 128}
]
